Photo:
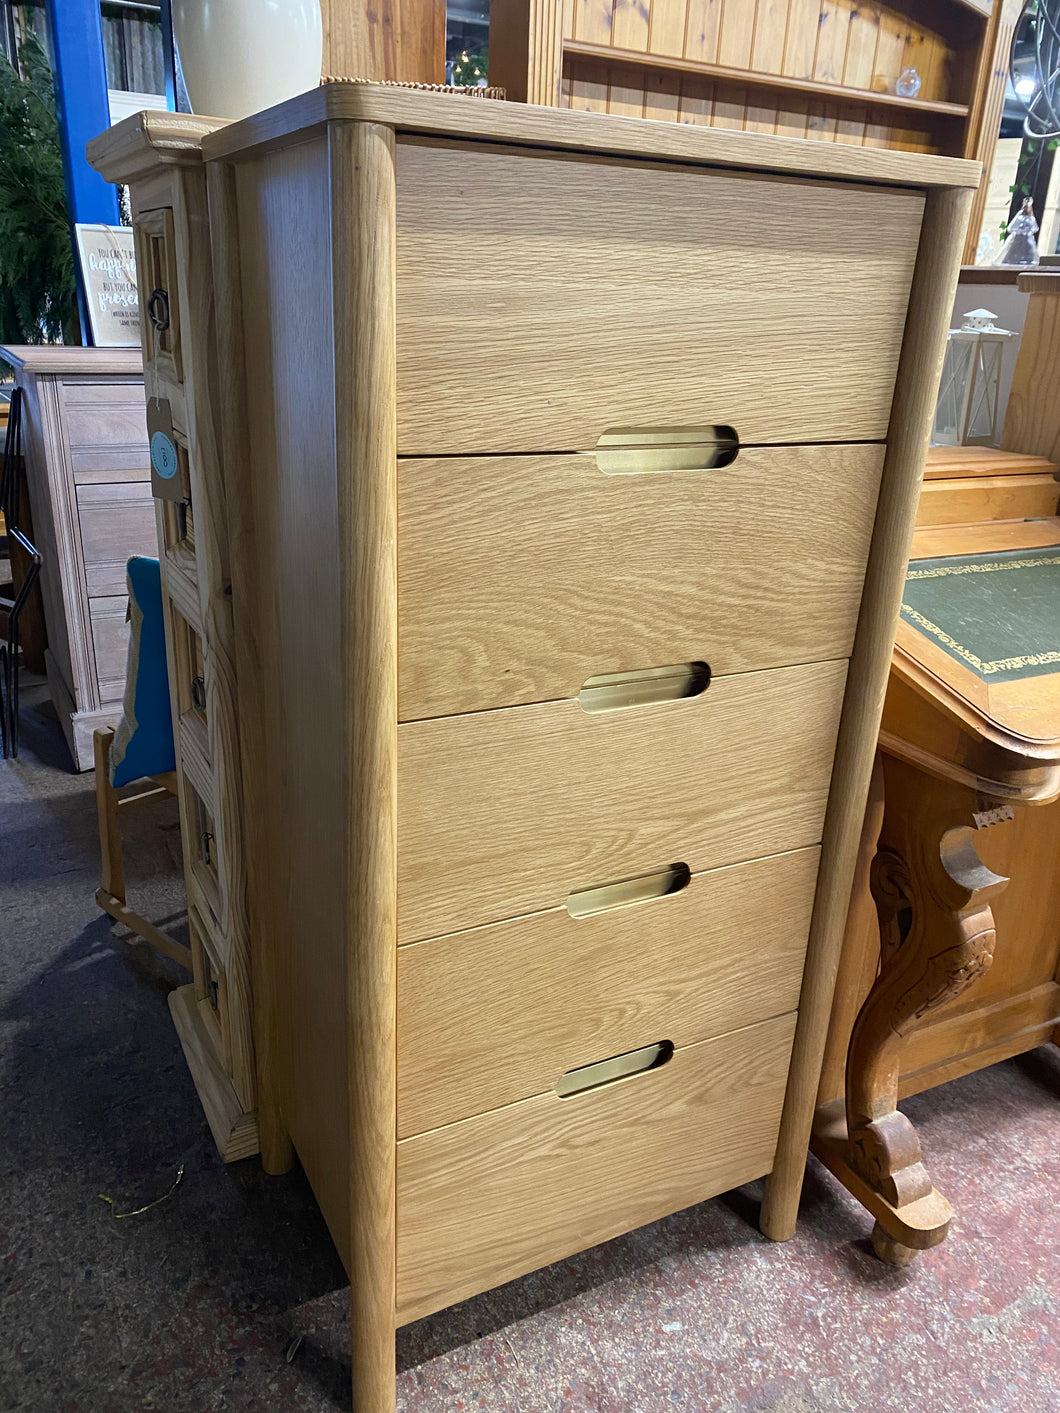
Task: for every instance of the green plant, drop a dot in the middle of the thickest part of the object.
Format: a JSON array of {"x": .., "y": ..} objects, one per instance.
[
  {"x": 38, "y": 302},
  {"x": 470, "y": 70}
]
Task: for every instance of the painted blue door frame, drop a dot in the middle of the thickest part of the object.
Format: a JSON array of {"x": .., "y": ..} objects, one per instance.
[{"x": 84, "y": 110}]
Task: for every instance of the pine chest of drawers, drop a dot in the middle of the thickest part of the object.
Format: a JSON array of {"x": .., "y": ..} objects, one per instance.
[{"x": 570, "y": 466}]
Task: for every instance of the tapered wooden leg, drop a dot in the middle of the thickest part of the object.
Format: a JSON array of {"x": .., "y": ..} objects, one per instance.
[
  {"x": 933, "y": 896},
  {"x": 923, "y": 348},
  {"x": 112, "y": 879}
]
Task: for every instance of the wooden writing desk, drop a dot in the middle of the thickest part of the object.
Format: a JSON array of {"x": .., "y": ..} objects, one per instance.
[{"x": 970, "y": 738}]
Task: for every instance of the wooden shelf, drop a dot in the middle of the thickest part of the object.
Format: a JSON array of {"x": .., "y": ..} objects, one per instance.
[{"x": 745, "y": 78}]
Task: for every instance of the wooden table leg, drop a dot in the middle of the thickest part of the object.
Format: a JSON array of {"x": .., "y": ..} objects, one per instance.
[{"x": 933, "y": 896}]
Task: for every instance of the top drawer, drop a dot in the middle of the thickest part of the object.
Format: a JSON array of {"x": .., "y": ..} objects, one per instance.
[
  {"x": 156, "y": 264},
  {"x": 571, "y": 295}
]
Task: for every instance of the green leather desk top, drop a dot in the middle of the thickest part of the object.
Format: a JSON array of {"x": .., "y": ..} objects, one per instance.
[{"x": 997, "y": 614}]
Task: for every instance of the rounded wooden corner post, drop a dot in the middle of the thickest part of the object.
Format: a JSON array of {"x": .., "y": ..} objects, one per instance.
[
  {"x": 927, "y": 321},
  {"x": 361, "y": 160}
]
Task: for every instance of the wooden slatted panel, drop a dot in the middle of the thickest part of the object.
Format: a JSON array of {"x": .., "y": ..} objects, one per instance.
[
  {"x": 667, "y": 29},
  {"x": 800, "y": 47},
  {"x": 629, "y": 24},
  {"x": 737, "y": 33},
  {"x": 702, "y": 23},
  {"x": 847, "y": 42},
  {"x": 662, "y": 96}
]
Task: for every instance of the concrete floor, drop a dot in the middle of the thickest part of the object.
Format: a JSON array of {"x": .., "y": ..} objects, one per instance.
[{"x": 195, "y": 1304}]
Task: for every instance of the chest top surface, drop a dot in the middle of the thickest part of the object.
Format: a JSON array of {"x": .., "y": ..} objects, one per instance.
[{"x": 142, "y": 140}]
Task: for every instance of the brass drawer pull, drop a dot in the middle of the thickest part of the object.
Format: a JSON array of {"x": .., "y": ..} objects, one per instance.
[
  {"x": 158, "y": 310},
  {"x": 644, "y": 686},
  {"x": 630, "y": 451},
  {"x": 618, "y": 1067},
  {"x": 627, "y": 891}
]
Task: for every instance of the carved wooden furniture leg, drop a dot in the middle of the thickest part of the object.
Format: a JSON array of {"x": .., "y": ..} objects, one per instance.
[{"x": 933, "y": 896}]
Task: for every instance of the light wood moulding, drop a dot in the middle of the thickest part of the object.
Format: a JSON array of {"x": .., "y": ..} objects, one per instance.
[
  {"x": 553, "y": 993},
  {"x": 484, "y": 1201},
  {"x": 608, "y": 573},
  {"x": 623, "y": 260},
  {"x": 507, "y": 812},
  {"x": 408, "y": 111}
]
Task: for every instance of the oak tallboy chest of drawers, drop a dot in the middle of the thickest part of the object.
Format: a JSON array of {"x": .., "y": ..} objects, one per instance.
[{"x": 569, "y": 466}]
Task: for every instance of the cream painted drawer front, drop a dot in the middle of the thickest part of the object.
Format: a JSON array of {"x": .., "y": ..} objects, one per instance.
[
  {"x": 117, "y": 521},
  {"x": 484, "y": 1201},
  {"x": 611, "y": 293},
  {"x": 519, "y": 577},
  {"x": 507, "y": 812},
  {"x": 552, "y": 993},
  {"x": 110, "y": 642},
  {"x": 106, "y": 429}
]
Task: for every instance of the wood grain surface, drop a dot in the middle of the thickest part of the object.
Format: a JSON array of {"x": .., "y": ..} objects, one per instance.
[
  {"x": 553, "y": 993},
  {"x": 484, "y": 1201},
  {"x": 986, "y": 498},
  {"x": 520, "y": 577},
  {"x": 361, "y": 171},
  {"x": 506, "y": 812},
  {"x": 457, "y": 116},
  {"x": 287, "y": 534},
  {"x": 625, "y": 294}
]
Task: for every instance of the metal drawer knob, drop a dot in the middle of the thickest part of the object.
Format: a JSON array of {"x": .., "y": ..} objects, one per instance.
[{"x": 158, "y": 310}]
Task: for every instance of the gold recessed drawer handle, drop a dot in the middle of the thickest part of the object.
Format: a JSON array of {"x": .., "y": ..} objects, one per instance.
[
  {"x": 645, "y": 685},
  {"x": 618, "y": 1067},
  {"x": 624, "y": 893},
  {"x": 632, "y": 451}
]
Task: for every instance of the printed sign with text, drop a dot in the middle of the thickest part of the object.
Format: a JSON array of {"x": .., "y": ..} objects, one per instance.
[{"x": 108, "y": 265}]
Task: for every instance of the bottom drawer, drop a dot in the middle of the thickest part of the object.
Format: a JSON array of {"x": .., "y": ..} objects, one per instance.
[{"x": 488, "y": 1199}]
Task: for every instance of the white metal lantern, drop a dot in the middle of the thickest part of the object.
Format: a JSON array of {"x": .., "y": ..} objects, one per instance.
[{"x": 966, "y": 412}]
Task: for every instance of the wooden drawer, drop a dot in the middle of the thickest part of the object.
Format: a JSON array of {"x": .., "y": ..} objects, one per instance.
[
  {"x": 110, "y": 642},
  {"x": 117, "y": 521},
  {"x": 106, "y": 431},
  {"x": 189, "y": 667},
  {"x": 552, "y": 992},
  {"x": 613, "y": 293},
  {"x": 156, "y": 262},
  {"x": 486, "y": 1200},
  {"x": 202, "y": 842},
  {"x": 507, "y": 812},
  {"x": 178, "y": 519},
  {"x": 520, "y": 577}
]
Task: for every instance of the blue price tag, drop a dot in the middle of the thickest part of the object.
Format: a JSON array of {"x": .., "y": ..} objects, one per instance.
[{"x": 163, "y": 456}]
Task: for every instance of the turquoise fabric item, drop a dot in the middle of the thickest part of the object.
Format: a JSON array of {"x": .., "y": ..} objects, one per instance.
[{"x": 143, "y": 740}]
